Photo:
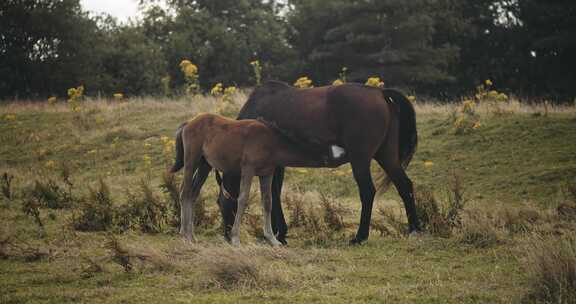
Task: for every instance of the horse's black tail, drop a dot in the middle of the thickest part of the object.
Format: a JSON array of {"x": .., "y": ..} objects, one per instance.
[
  {"x": 408, "y": 135},
  {"x": 179, "y": 147}
]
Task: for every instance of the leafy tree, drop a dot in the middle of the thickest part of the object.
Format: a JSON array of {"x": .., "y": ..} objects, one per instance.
[
  {"x": 221, "y": 37},
  {"x": 392, "y": 39},
  {"x": 45, "y": 47}
]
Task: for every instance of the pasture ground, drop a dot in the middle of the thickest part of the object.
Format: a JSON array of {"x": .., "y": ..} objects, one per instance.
[{"x": 514, "y": 173}]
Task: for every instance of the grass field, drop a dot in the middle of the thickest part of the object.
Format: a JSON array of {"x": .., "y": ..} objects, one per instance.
[{"x": 516, "y": 172}]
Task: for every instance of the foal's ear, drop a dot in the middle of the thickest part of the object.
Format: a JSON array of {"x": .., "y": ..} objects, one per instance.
[{"x": 218, "y": 178}]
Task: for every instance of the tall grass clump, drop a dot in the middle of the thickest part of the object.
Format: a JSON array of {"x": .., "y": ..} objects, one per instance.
[
  {"x": 170, "y": 187},
  {"x": 97, "y": 212},
  {"x": 143, "y": 210},
  {"x": 551, "y": 265},
  {"x": 241, "y": 268},
  {"x": 479, "y": 231},
  {"x": 6, "y": 185}
]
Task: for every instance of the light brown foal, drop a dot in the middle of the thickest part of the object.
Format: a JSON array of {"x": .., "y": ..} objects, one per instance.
[{"x": 246, "y": 148}]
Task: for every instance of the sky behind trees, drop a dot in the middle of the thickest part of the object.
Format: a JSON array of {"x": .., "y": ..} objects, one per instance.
[{"x": 120, "y": 9}]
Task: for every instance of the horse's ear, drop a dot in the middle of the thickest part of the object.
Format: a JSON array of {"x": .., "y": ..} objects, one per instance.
[{"x": 218, "y": 177}]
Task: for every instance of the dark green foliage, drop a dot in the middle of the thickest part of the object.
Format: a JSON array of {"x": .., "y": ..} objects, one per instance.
[
  {"x": 437, "y": 47},
  {"x": 6, "y": 184},
  {"x": 143, "y": 210},
  {"x": 391, "y": 39},
  {"x": 170, "y": 187},
  {"x": 50, "y": 194},
  {"x": 97, "y": 213}
]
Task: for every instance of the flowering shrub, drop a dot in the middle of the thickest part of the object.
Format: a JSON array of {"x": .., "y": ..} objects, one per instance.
[
  {"x": 191, "y": 76},
  {"x": 52, "y": 100},
  {"x": 374, "y": 82},
  {"x": 74, "y": 97},
  {"x": 118, "y": 96},
  {"x": 217, "y": 90},
  {"x": 485, "y": 94},
  {"x": 226, "y": 105},
  {"x": 257, "y": 71},
  {"x": 303, "y": 83}
]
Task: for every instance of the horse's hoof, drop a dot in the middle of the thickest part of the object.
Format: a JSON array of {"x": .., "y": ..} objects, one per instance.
[
  {"x": 282, "y": 241},
  {"x": 355, "y": 242}
]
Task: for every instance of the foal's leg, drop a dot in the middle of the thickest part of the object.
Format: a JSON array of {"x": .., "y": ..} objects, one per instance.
[
  {"x": 265, "y": 192},
  {"x": 245, "y": 184}
]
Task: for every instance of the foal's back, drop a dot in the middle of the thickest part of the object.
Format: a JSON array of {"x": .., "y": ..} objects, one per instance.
[{"x": 228, "y": 144}]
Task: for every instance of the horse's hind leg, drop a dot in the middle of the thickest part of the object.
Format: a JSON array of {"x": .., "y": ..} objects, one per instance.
[
  {"x": 245, "y": 184},
  {"x": 265, "y": 192},
  {"x": 387, "y": 159}
]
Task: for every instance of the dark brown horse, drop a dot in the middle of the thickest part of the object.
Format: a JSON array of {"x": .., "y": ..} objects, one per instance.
[{"x": 367, "y": 122}]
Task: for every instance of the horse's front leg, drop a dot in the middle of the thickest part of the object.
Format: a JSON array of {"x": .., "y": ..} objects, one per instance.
[
  {"x": 361, "y": 171},
  {"x": 245, "y": 184},
  {"x": 265, "y": 192},
  {"x": 279, "y": 225}
]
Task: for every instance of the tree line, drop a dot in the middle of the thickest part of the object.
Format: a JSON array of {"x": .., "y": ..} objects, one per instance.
[{"x": 440, "y": 48}]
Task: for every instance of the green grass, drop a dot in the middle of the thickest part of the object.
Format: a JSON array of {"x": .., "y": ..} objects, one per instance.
[{"x": 513, "y": 160}]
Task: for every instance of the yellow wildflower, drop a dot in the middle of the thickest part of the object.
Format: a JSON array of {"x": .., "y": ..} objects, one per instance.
[
  {"x": 50, "y": 164},
  {"x": 488, "y": 82},
  {"x": 468, "y": 106},
  {"x": 230, "y": 90},
  {"x": 502, "y": 97},
  {"x": 9, "y": 117},
  {"x": 375, "y": 82},
  {"x": 118, "y": 96},
  {"x": 216, "y": 90},
  {"x": 428, "y": 163},
  {"x": 411, "y": 98},
  {"x": 190, "y": 70},
  {"x": 52, "y": 100},
  {"x": 257, "y": 68},
  {"x": 337, "y": 82},
  {"x": 147, "y": 160},
  {"x": 301, "y": 170},
  {"x": 185, "y": 63},
  {"x": 459, "y": 122},
  {"x": 303, "y": 82}
]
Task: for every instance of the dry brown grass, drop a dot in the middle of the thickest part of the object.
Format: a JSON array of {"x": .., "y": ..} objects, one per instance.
[
  {"x": 551, "y": 264},
  {"x": 515, "y": 105},
  {"x": 248, "y": 267}
]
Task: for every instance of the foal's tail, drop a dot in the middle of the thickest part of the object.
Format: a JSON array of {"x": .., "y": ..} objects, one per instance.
[
  {"x": 408, "y": 135},
  {"x": 179, "y": 147}
]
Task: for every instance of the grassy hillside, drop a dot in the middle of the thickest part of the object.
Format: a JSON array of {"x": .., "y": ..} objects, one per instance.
[{"x": 514, "y": 171}]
